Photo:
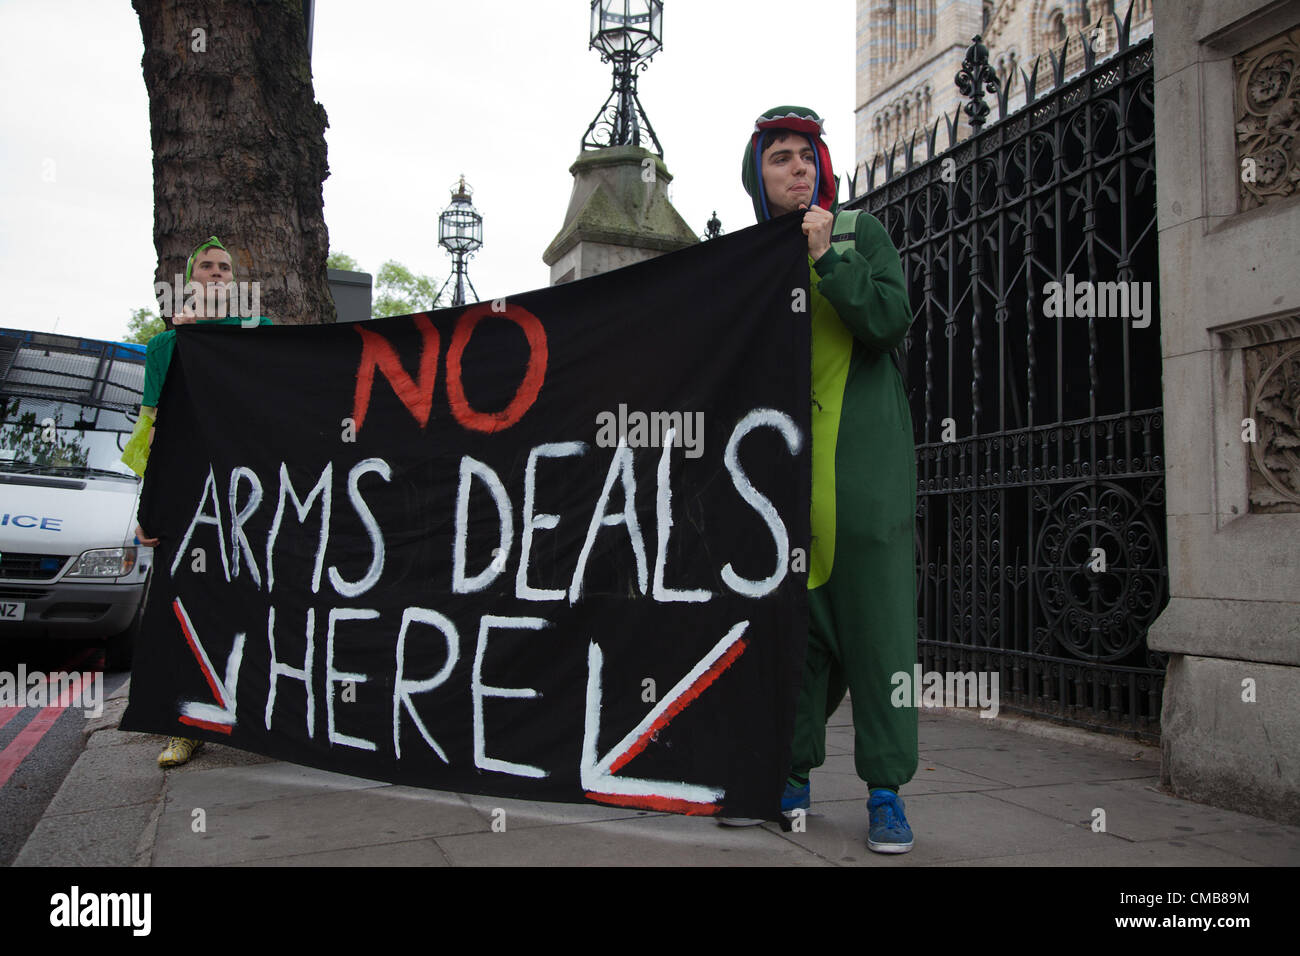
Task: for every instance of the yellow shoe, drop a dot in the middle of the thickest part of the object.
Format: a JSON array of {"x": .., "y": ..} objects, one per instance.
[{"x": 178, "y": 751}]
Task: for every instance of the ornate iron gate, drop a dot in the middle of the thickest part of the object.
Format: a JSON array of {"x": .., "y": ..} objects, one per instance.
[{"x": 1039, "y": 440}]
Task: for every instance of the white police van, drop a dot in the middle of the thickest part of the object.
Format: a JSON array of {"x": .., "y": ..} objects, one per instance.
[{"x": 70, "y": 565}]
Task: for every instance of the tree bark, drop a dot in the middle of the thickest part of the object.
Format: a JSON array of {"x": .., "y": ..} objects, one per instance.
[{"x": 239, "y": 146}]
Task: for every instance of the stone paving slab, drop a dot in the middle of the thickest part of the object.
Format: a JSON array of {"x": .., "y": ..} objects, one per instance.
[
  {"x": 932, "y": 776},
  {"x": 108, "y": 777},
  {"x": 424, "y": 852},
  {"x": 655, "y": 840},
  {"x": 1112, "y": 853},
  {"x": 248, "y": 785},
  {"x": 843, "y": 783},
  {"x": 119, "y": 737},
  {"x": 1031, "y": 763},
  {"x": 1134, "y": 809},
  {"x": 1276, "y": 845},
  {"x": 288, "y": 825},
  {"x": 103, "y": 837},
  {"x": 959, "y": 733},
  {"x": 211, "y": 757},
  {"x": 947, "y": 826},
  {"x": 981, "y": 795},
  {"x": 518, "y": 814}
]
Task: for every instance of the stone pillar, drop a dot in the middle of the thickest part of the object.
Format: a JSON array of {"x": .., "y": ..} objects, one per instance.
[
  {"x": 618, "y": 214},
  {"x": 1227, "y": 96}
]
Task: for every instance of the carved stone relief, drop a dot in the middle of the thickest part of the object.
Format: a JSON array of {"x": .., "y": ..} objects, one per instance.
[
  {"x": 1268, "y": 120},
  {"x": 1273, "y": 402}
]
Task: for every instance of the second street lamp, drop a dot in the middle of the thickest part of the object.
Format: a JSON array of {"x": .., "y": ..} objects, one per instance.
[{"x": 460, "y": 232}]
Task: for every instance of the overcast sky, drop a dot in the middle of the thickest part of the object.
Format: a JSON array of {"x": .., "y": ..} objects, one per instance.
[{"x": 417, "y": 92}]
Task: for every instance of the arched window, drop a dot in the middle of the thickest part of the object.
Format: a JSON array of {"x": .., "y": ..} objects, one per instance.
[
  {"x": 988, "y": 16},
  {"x": 1056, "y": 32}
]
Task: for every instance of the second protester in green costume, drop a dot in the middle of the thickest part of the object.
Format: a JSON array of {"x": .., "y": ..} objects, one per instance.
[{"x": 862, "y": 584}]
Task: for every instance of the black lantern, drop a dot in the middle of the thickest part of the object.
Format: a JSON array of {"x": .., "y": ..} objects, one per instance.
[
  {"x": 460, "y": 232},
  {"x": 627, "y": 28},
  {"x": 626, "y": 33},
  {"x": 713, "y": 228}
]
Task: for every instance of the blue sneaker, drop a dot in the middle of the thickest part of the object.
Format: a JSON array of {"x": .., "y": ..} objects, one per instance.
[
  {"x": 795, "y": 798},
  {"x": 889, "y": 832}
]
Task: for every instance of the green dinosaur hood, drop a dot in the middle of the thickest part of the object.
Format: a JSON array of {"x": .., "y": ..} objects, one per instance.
[
  {"x": 212, "y": 242},
  {"x": 797, "y": 119}
]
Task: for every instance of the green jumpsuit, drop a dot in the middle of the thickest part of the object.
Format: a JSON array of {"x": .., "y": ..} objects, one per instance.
[{"x": 862, "y": 570}]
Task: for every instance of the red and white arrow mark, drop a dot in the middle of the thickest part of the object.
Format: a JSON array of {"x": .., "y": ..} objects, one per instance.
[
  {"x": 597, "y": 775},
  {"x": 220, "y": 716}
]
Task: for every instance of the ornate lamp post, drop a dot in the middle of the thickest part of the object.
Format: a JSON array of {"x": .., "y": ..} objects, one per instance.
[
  {"x": 460, "y": 232},
  {"x": 713, "y": 228},
  {"x": 627, "y": 33}
]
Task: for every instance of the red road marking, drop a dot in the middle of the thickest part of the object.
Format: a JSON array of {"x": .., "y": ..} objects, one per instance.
[{"x": 31, "y": 735}]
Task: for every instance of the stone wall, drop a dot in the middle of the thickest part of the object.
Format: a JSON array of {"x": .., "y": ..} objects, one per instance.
[{"x": 1227, "y": 97}]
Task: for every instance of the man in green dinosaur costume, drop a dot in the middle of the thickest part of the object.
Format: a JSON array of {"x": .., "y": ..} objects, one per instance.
[
  {"x": 862, "y": 571},
  {"x": 210, "y": 268}
]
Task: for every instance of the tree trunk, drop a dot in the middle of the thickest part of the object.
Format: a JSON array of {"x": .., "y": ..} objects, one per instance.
[{"x": 238, "y": 146}]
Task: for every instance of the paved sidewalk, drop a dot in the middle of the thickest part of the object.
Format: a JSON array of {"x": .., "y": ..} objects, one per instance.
[{"x": 1001, "y": 792}]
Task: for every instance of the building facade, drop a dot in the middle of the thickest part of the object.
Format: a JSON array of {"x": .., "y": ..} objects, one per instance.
[{"x": 908, "y": 52}]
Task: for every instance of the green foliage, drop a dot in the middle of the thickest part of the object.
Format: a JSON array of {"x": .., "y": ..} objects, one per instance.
[
  {"x": 398, "y": 290},
  {"x": 341, "y": 260},
  {"x": 143, "y": 326},
  {"x": 401, "y": 292}
]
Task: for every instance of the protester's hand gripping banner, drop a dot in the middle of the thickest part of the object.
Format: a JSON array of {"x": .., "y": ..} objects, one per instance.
[{"x": 549, "y": 547}]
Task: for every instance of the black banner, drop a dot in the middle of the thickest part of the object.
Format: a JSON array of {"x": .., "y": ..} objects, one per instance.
[{"x": 549, "y": 547}]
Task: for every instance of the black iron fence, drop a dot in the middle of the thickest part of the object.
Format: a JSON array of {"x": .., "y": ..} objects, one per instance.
[{"x": 1037, "y": 407}]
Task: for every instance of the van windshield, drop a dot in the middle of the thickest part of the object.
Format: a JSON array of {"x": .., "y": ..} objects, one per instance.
[
  {"x": 39, "y": 436},
  {"x": 67, "y": 405}
]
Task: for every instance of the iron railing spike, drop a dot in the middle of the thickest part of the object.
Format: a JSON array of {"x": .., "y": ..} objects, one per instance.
[
  {"x": 1124, "y": 28},
  {"x": 1031, "y": 81}
]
